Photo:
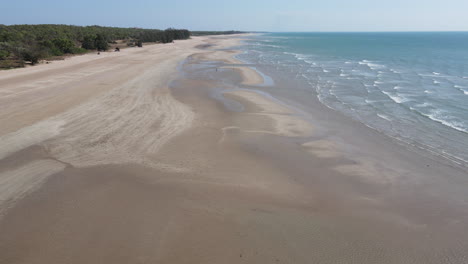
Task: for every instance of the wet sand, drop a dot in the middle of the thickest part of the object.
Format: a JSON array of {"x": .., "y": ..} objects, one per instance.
[{"x": 143, "y": 159}]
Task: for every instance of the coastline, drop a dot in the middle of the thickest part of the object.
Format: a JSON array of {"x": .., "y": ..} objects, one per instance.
[
  {"x": 153, "y": 167},
  {"x": 371, "y": 90}
]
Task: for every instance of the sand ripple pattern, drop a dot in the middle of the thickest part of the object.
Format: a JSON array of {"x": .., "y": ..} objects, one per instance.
[
  {"x": 128, "y": 124},
  {"x": 123, "y": 126},
  {"x": 130, "y": 117},
  {"x": 17, "y": 183}
]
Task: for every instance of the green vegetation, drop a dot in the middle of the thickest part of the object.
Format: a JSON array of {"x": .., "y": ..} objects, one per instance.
[
  {"x": 139, "y": 43},
  {"x": 31, "y": 43}
]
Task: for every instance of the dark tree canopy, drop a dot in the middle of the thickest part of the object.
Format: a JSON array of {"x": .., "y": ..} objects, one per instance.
[
  {"x": 100, "y": 42},
  {"x": 32, "y": 43}
]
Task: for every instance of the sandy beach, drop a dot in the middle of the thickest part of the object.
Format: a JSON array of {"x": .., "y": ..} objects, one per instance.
[{"x": 177, "y": 153}]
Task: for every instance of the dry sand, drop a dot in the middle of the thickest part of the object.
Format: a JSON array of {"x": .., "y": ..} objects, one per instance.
[{"x": 102, "y": 162}]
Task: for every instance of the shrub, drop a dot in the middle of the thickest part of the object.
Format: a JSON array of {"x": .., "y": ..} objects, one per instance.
[
  {"x": 101, "y": 42},
  {"x": 4, "y": 54},
  {"x": 64, "y": 45},
  {"x": 89, "y": 42},
  {"x": 76, "y": 50},
  {"x": 51, "y": 48},
  {"x": 32, "y": 55}
]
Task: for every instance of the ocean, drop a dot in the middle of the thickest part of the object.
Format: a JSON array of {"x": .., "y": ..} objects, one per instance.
[{"x": 411, "y": 86}]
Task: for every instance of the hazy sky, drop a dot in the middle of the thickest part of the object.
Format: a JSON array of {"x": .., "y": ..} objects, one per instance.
[{"x": 261, "y": 15}]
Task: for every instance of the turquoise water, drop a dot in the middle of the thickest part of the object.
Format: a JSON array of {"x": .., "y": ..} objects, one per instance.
[{"x": 410, "y": 86}]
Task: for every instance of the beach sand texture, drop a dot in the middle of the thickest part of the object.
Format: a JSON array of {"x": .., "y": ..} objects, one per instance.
[{"x": 129, "y": 158}]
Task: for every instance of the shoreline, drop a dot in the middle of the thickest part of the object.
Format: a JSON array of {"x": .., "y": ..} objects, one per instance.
[
  {"x": 441, "y": 141},
  {"x": 426, "y": 151},
  {"x": 201, "y": 166}
]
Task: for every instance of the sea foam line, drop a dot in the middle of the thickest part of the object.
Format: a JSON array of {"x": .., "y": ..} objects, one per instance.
[{"x": 396, "y": 98}]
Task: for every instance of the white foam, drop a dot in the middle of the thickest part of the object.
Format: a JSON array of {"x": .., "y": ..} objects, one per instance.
[
  {"x": 396, "y": 98},
  {"x": 395, "y": 71},
  {"x": 371, "y": 65},
  {"x": 462, "y": 89},
  {"x": 437, "y": 116},
  {"x": 372, "y": 101},
  {"x": 375, "y": 66},
  {"x": 425, "y": 104},
  {"x": 384, "y": 117},
  {"x": 269, "y": 45}
]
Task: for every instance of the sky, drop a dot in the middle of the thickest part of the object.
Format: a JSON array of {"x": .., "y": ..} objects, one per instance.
[{"x": 246, "y": 15}]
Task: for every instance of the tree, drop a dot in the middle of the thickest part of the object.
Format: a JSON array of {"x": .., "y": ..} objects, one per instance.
[
  {"x": 32, "y": 55},
  {"x": 35, "y": 42},
  {"x": 4, "y": 50},
  {"x": 89, "y": 42},
  {"x": 64, "y": 45},
  {"x": 101, "y": 42}
]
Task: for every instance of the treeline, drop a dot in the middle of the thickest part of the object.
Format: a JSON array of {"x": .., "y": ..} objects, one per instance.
[
  {"x": 206, "y": 33},
  {"x": 31, "y": 43}
]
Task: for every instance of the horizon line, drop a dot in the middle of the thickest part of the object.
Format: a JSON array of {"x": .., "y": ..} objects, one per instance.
[{"x": 265, "y": 31}]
